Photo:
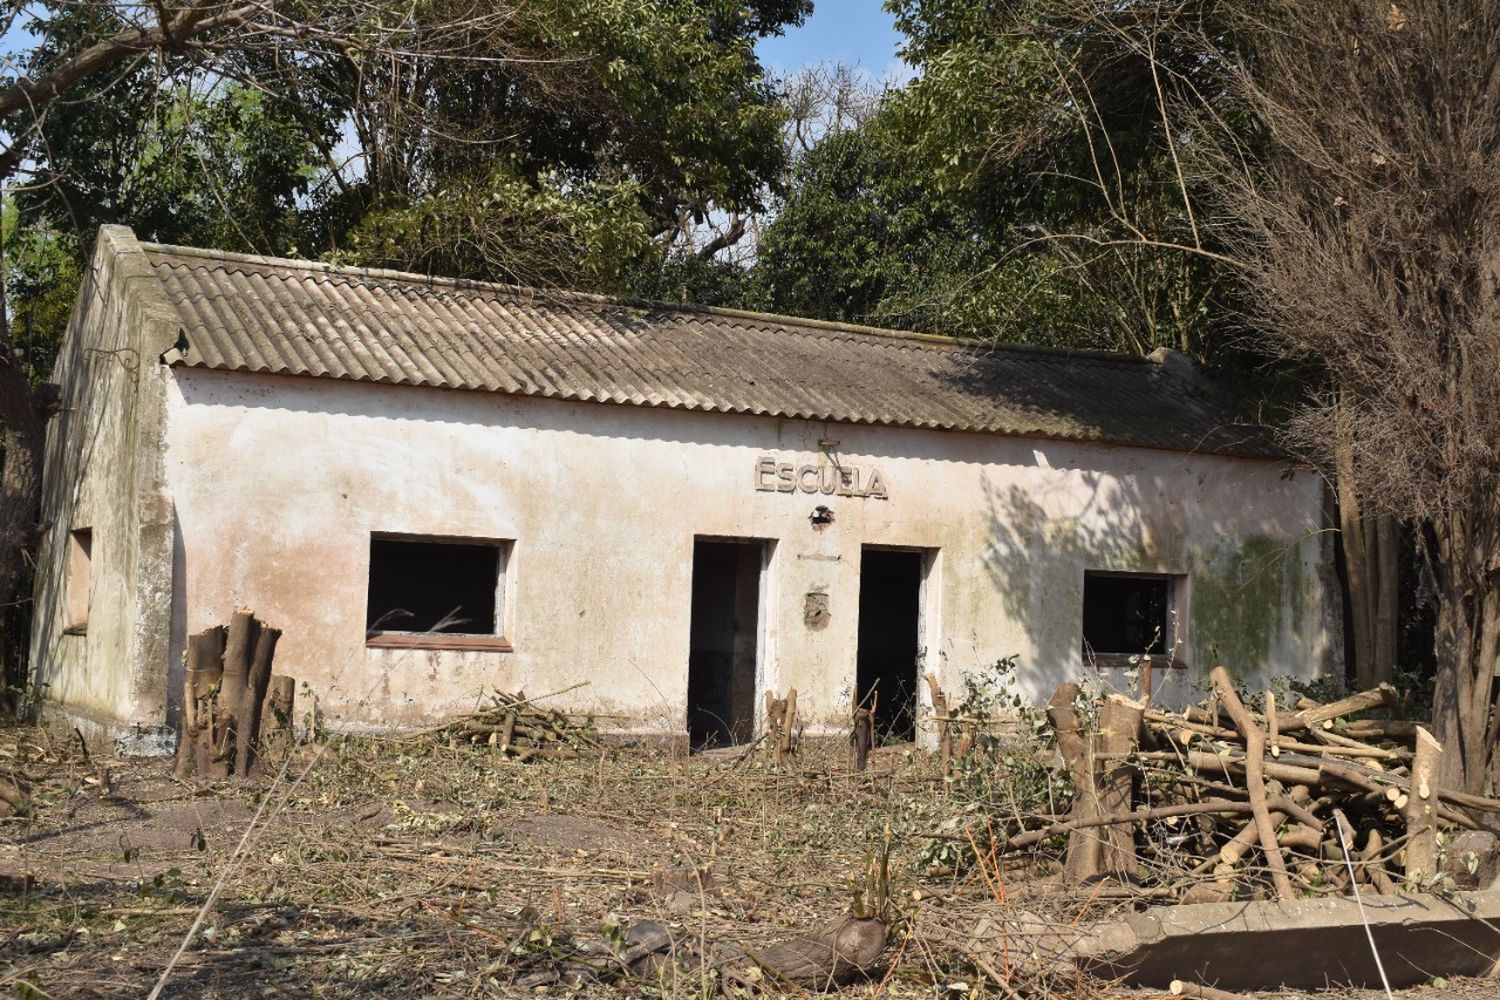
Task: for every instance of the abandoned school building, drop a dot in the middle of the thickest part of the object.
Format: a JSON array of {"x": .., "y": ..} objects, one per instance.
[{"x": 442, "y": 488}]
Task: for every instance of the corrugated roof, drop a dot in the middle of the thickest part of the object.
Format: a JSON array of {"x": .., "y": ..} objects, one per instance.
[{"x": 285, "y": 317}]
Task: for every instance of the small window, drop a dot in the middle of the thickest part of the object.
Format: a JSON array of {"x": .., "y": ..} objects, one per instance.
[
  {"x": 79, "y": 579},
  {"x": 1126, "y": 614},
  {"x": 436, "y": 593}
]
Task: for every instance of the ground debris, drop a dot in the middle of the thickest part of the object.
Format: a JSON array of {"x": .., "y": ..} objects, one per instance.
[
  {"x": 551, "y": 869},
  {"x": 518, "y": 727}
]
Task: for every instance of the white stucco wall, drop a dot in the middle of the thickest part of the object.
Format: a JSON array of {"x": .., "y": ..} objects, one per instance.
[
  {"x": 105, "y": 450},
  {"x": 278, "y": 483}
]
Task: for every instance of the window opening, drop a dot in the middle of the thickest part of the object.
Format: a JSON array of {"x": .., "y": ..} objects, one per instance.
[
  {"x": 1126, "y": 615},
  {"x": 425, "y": 585},
  {"x": 80, "y": 578}
]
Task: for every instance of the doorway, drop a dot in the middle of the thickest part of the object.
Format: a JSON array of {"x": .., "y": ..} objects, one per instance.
[
  {"x": 725, "y": 644},
  {"x": 890, "y": 626}
]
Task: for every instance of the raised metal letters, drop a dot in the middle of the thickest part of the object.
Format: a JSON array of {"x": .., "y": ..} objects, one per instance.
[{"x": 772, "y": 476}]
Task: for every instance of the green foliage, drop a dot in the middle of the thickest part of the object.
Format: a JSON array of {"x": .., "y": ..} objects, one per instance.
[
  {"x": 627, "y": 120},
  {"x": 563, "y": 143},
  {"x": 1003, "y": 728},
  {"x": 861, "y": 237},
  {"x": 1007, "y": 768},
  {"x": 501, "y": 224},
  {"x": 1025, "y": 187},
  {"x": 175, "y": 153},
  {"x": 226, "y": 168},
  {"x": 41, "y": 280},
  {"x": 682, "y": 276}
]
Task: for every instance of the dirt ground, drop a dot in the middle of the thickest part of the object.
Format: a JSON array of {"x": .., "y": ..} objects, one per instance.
[{"x": 407, "y": 868}]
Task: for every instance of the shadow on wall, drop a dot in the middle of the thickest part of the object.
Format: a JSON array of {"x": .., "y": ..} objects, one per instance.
[
  {"x": 94, "y": 422},
  {"x": 1240, "y": 593}
]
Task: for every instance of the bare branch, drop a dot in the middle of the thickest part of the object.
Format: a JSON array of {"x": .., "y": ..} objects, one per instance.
[{"x": 123, "y": 45}]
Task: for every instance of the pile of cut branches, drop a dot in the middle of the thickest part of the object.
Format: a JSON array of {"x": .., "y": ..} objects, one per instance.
[
  {"x": 1221, "y": 802},
  {"x": 516, "y": 726}
]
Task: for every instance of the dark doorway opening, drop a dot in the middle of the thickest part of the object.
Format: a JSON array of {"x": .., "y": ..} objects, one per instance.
[
  {"x": 724, "y": 645},
  {"x": 890, "y": 609}
]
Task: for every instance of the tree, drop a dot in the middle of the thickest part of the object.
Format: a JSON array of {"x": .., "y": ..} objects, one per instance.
[
  {"x": 646, "y": 119},
  {"x": 1057, "y": 142},
  {"x": 863, "y": 235},
  {"x": 1367, "y": 240},
  {"x": 554, "y": 141},
  {"x": 1007, "y": 192},
  {"x": 1094, "y": 127}
]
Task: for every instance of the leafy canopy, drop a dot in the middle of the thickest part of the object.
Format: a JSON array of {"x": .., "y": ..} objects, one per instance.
[
  {"x": 1027, "y": 185},
  {"x": 557, "y": 142}
]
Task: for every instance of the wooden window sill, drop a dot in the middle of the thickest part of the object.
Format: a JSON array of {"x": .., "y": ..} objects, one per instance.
[
  {"x": 1122, "y": 661},
  {"x": 440, "y": 641}
]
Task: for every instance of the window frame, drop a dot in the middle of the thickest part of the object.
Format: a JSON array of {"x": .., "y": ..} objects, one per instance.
[
  {"x": 1171, "y": 634},
  {"x": 498, "y": 641}
]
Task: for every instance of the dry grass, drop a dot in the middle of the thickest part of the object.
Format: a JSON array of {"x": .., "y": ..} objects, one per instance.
[{"x": 412, "y": 868}]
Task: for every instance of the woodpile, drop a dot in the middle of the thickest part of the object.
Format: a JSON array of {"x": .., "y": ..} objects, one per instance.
[
  {"x": 515, "y": 726},
  {"x": 1220, "y": 802},
  {"x": 234, "y": 710}
]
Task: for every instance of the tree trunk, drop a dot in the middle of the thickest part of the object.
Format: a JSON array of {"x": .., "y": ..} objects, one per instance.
[
  {"x": 1422, "y": 809},
  {"x": 1371, "y": 564},
  {"x": 21, "y": 481},
  {"x": 1119, "y": 734},
  {"x": 229, "y": 696},
  {"x": 25, "y": 440},
  {"x": 1464, "y": 562},
  {"x": 1085, "y": 853}
]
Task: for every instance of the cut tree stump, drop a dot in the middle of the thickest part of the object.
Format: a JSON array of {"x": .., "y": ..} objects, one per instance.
[
  {"x": 1084, "y": 854},
  {"x": 229, "y": 698},
  {"x": 276, "y": 722},
  {"x": 781, "y": 723},
  {"x": 863, "y": 737},
  {"x": 1119, "y": 734},
  {"x": 1422, "y": 808},
  {"x": 844, "y": 951},
  {"x": 945, "y": 725}
]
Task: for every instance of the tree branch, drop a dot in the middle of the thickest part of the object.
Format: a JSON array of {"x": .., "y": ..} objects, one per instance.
[
  {"x": 727, "y": 238},
  {"x": 111, "y": 51}
]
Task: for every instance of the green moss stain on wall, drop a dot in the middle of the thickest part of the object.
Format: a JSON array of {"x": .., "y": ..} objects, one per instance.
[{"x": 1241, "y": 597}]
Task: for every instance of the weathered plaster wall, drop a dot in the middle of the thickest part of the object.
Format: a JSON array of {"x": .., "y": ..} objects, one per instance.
[
  {"x": 104, "y": 471},
  {"x": 278, "y": 483}
]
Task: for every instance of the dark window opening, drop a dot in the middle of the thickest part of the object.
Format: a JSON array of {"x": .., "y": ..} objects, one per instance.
[
  {"x": 1126, "y": 615},
  {"x": 890, "y": 608},
  {"x": 423, "y": 585},
  {"x": 724, "y": 644}
]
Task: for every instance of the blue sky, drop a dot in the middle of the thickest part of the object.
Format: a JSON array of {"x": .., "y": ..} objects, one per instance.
[{"x": 849, "y": 31}]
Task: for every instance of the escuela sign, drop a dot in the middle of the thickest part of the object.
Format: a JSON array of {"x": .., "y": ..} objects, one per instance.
[{"x": 772, "y": 476}]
